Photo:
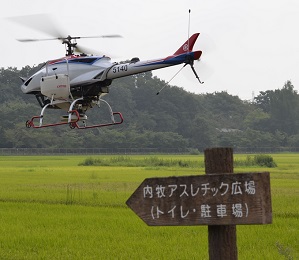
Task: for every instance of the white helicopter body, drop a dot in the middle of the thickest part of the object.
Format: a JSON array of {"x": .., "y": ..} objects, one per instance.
[{"x": 77, "y": 82}]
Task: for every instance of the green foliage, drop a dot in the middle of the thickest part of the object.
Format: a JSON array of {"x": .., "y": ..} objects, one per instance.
[
  {"x": 262, "y": 160},
  {"x": 173, "y": 119},
  {"x": 194, "y": 151},
  {"x": 247, "y": 162},
  {"x": 127, "y": 161},
  {"x": 257, "y": 119},
  {"x": 282, "y": 105}
]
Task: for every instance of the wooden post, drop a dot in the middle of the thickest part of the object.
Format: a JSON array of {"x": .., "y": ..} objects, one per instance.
[{"x": 222, "y": 238}]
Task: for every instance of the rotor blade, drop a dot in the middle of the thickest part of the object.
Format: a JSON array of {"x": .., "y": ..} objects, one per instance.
[
  {"x": 37, "y": 40},
  {"x": 39, "y": 22},
  {"x": 72, "y": 38},
  {"x": 206, "y": 43},
  {"x": 44, "y": 23},
  {"x": 103, "y": 36},
  {"x": 81, "y": 49}
]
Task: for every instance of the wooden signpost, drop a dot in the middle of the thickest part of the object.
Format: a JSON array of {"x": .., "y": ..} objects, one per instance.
[{"x": 219, "y": 199}]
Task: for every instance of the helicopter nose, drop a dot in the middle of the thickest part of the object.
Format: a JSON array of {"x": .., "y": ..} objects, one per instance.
[
  {"x": 24, "y": 88},
  {"x": 26, "y": 85}
]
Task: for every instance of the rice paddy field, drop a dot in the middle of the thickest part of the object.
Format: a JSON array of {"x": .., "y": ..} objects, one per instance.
[{"x": 73, "y": 207}]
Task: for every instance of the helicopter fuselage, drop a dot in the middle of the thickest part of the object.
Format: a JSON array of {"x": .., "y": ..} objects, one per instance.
[
  {"x": 88, "y": 70},
  {"x": 84, "y": 71},
  {"x": 76, "y": 83}
]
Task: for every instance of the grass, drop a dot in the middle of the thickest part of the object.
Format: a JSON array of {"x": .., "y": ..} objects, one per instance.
[
  {"x": 154, "y": 161},
  {"x": 51, "y": 208},
  {"x": 149, "y": 161}
]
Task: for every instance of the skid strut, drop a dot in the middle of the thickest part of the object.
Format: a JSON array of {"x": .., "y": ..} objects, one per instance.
[
  {"x": 73, "y": 118},
  {"x": 112, "y": 114},
  {"x": 30, "y": 123}
]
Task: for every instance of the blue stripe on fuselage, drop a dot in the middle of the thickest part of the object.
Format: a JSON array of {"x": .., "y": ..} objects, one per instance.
[{"x": 172, "y": 61}]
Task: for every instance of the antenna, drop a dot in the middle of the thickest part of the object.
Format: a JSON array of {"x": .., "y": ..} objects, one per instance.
[
  {"x": 189, "y": 30},
  {"x": 170, "y": 80},
  {"x": 189, "y": 60}
]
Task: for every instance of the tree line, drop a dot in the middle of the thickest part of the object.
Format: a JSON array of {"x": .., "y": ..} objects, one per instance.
[{"x": 175, "y": 118}]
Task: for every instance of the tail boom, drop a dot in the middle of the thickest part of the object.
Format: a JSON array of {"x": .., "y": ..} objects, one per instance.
[{"x": 183, "y": 55}]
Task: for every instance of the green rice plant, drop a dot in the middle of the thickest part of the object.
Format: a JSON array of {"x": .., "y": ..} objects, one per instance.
[
  {"x": 247, "y": 162},
  {"x": 51, "y": 208},
  {"x": 120, "y": 160},
  {"x": 90, "y": 161},
  {"x": 73, "y": 194}
]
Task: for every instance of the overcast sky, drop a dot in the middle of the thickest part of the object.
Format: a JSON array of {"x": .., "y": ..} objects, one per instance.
[{"x": 248, "y": 46}]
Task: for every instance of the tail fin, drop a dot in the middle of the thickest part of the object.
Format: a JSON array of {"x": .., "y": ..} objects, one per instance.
[{"x": 188, "y": 45}]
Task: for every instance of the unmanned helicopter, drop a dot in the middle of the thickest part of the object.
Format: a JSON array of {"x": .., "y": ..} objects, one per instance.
[{"x": 77, "y": 82}]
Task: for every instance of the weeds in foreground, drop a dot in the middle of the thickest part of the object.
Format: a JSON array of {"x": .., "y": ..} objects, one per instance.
[
  {"x": 262, "y": 160},
  {"x": 73, "y": 191},
  {"x": 285, "y": 251},
  {"x": 145, "y": 162}
]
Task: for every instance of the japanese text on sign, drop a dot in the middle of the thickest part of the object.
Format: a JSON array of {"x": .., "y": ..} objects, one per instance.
[
  {"x": 238, "y": 210},
  {"x": 235, "y": 188},
  {"x": 218, "y": 199}
]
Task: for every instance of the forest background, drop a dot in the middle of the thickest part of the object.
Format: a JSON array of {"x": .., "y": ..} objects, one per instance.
[{"x": 173, "y": 119}]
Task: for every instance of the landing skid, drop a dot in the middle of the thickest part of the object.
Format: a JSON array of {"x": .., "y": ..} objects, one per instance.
[
  {"x": 113, "y": 122},
  {"x": 30, "y": 123},
  {"x": 73, "y": 117}
]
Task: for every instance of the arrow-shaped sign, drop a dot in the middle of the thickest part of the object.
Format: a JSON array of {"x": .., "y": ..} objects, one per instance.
[{"x": 220, "y": 199}]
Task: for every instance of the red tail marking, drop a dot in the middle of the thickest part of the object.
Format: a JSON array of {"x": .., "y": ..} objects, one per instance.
[{"x": 185, "y": 48}]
